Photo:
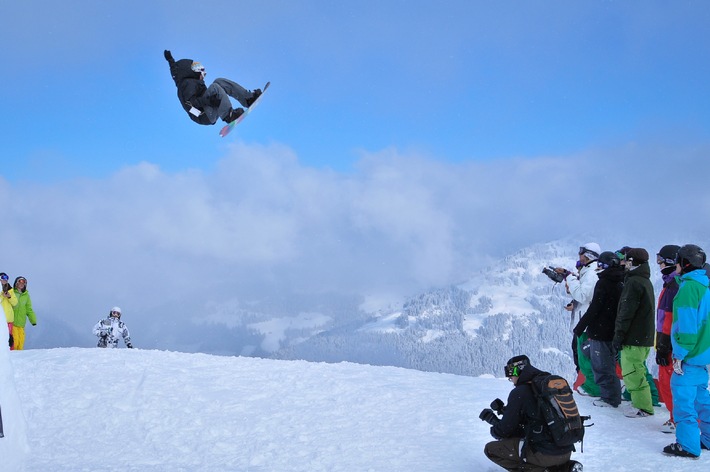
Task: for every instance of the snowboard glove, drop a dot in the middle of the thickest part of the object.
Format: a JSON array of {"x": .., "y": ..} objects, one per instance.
[
  {"x": 168, "y": 56},
  {"x": 616, "y": 344},
  {"x": 663, "y": 349},
  {"x": 497, "y": 405},
  {"x": 489, "y": 417},
  {"x": 129, "y": 346},
  {"x": 678, "y": 366},
  {"x": 12, "y": 341}
]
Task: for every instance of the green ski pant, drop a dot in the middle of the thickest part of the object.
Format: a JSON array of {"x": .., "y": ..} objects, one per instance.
[
  {"x": 633, "y": 368},
  {"x": 585, "y": 366}
]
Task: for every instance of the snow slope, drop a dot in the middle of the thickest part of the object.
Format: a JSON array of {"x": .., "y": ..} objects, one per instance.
[{"x": 139, "y": 410}]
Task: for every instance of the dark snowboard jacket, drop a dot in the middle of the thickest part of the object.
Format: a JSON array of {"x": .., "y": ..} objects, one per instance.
[
  {"x": 522, "y": 417},
  {"x": 635, "y": 320},
  {"x": 190, "y": 87},
  {"x": 600, "y": 319}
]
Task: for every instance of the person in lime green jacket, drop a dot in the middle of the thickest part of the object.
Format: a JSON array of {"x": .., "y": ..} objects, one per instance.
[
  {"x": 8, "y": 300},
  {"x": 23, "y": 310}
]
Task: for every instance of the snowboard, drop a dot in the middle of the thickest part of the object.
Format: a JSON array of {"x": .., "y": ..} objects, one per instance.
[{"x": 225, "y": 131}]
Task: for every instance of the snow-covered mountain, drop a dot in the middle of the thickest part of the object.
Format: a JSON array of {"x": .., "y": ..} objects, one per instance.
[{"x": 157, "y": 411}]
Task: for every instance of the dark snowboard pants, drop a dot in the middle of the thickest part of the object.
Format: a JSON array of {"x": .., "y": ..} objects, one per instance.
[
  {"x": 506, "y": 453},
  {"x": 604, "y": 366},
  {"x": 225, "y": 88}
]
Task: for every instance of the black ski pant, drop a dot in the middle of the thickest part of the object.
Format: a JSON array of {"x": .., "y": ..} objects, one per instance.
[{"x": 506, "y": 453}]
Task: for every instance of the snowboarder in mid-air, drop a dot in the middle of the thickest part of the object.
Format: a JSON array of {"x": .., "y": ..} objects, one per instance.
[{"x": 205, "y": 104}]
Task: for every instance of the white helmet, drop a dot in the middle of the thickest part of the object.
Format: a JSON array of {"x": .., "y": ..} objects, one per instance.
[
  {"x": 199, "y": 68},
  {"x": 115, "y": 311}
]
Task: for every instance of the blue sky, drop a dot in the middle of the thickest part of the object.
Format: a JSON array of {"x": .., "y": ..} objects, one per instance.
[{"x": 402, "y": 145}]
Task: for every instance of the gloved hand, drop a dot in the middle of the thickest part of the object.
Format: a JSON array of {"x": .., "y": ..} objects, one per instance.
[
  {"x": 168, "y": 56},
  {"x": 578, "y": 330},
  {"x": 678, "y": 366},
  {"x": 489, "y": 417},
  {"x": 129, "y": 346},
  {"x": 616, "y": 344},
  {"x": 11, "y": 340},
  {"x": 498, "y": 406},
  {"x": 663, "y": 349}
]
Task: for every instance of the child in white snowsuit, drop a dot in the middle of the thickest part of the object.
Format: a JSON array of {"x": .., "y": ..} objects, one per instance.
[{"x": 110, "y": 329}]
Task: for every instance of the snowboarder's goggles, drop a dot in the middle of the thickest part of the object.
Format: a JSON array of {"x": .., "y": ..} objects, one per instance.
[
  {"x": 513, "y": 370},
  {"x": 669, "y": 262},
  {"x": 4, "y": 277},
  {"x": 116, "y": 313}
]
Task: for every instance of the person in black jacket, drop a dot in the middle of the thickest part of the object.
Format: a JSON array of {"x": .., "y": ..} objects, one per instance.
[
  {"x": 523, "y": 441},
  {"x": 205, "y": 104},
  {"x": 599, "y": 322}
]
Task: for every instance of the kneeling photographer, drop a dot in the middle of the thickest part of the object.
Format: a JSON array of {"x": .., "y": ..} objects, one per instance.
[{"x": 523, "y": 442}]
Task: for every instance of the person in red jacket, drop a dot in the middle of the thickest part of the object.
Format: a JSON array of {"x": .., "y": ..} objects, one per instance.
[{"x": 664, "y": 318}]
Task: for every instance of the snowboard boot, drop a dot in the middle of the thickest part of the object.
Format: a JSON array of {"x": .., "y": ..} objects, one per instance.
[
  {"x": 254, "y": 95},
  {"x": 233, "y": 115},
  {"x": 676, "y": 449}
]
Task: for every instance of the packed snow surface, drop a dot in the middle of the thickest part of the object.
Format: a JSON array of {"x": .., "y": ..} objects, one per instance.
[{"x": 140, "y": 410}]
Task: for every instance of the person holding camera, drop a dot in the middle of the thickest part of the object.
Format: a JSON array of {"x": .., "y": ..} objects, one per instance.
[
  {"x": 581, "y": 289},
  {"x": 110, "y": 329},
  {"x": 523, "y": 441},
  {"x": 8, "y": 300}
]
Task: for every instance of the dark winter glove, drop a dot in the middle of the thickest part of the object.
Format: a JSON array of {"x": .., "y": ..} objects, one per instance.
[
  {"x": 616, "y": 344},
  {"x": 498, "y": 406},
  {"x": 663, "y": 349},
  {"x": 578, "y": 330},
  {"x": 168, "y": 56},
  {"x": 489, "y": 417},
  {"x": 129, "y": 346},
  {"x": 12, "y": 341}
]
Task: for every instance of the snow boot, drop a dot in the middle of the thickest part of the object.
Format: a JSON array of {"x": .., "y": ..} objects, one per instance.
[
  {"x": 676, "y": 449},
  {"x": 254, "y": 95},
  {"x": 233, "y": 115}
]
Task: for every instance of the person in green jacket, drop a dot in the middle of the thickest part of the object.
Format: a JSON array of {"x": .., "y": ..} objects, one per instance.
[
  {"x": 23, "y": 311},
  {"x": 635, "y": 330}
]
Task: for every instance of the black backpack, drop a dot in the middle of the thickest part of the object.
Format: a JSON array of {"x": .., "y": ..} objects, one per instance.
[{"x": 559, "y": 410}]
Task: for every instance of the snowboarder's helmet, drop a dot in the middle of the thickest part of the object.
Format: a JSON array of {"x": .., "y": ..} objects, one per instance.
[
  {"x": 667, "y": 254},
  {"x": 115, "y": 312},
  {"x": 691, "y": 256},
  {"x": 515, "y": 365},
  {"x": 198, "y": 67},
  {"x": 591, "y": 250},
  {"x": 608, "y": 259}
]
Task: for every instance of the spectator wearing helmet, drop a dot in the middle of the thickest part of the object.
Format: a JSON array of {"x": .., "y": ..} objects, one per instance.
[
  {"x": 664, "y": 317},
  {"x": 204, "y": 105},
  {"x": 581, "y": 289},
  {"x": 690, "y": 338},
  {"x": 23, "y": 311},
  {"x": 523, "y": 442},
  {"x": 8, "y": 300},
  {"x": 110, "y": 329},
  {"x": 634, "y": 331},
  {"x": 598, "y": 323}
]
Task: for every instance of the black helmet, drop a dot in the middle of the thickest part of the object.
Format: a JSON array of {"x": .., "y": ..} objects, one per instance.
[
  {"x": 608, "y": 259},
  {"x": 667, "y": 254},
  {"x": 691, "y": 255},
  {"x": 515, "y": 365}
]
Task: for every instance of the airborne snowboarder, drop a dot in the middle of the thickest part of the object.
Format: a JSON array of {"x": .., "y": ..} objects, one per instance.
[{"x": 205, "y": 104}]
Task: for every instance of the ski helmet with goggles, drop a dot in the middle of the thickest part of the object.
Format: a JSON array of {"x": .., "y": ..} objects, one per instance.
[
  {"x": 667, "y": 254},
  {"x": 608, "y": 259},
  {"x": 198, "y": 67},
  {"x": 515, "y": 365},
  {"x": 591, "y": 250},
  {"x": 115, "y": 311},
  {"x": 691, "y": 255}
]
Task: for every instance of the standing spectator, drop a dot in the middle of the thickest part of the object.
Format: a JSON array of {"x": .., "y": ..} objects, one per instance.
[
  {"x": 634, "y": 331},
  {"x": 599, "y": 322},
  {"x": 8, "y": 300},
  {"x": 23, "y": 310},
  {"x": 664, "y": 318},
  {"x": 690, "y": 337},
  {"x": 110, "y": 329},
  {"x": 581, "y": 289}
]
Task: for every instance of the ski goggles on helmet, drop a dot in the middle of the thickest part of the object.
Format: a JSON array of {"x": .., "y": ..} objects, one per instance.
[
  {"x": 513, "y": 370},
  {"x": 4, "y": 277},
  {"x": 663, "y": 260}
]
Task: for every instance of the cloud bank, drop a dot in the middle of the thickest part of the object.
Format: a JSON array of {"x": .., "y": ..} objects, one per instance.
[{"x": 172, "y": 245}]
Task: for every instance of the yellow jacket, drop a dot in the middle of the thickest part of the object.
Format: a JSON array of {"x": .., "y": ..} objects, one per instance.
[{"x": 7, "y": 304}]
